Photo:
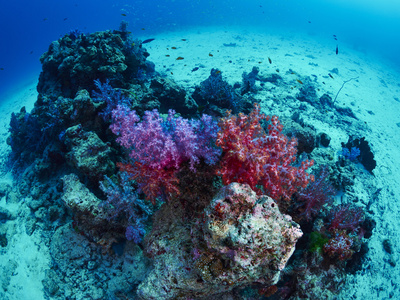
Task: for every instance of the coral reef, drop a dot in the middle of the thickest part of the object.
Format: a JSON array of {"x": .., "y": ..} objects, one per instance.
[
  {"x": 81, "y": 271},
  {"x": 71, "y": 64},
  {"x": 222, "y": 197},
  {"x": 89, "y": 217},
  {"x": 214, "y": 95}
]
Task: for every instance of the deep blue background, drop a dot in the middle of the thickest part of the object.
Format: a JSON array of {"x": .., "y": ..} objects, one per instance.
[{"x": 28, "y": 27}]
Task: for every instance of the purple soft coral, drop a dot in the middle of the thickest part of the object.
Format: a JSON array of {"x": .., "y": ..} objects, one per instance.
[
  {"x": 159, "y": 147},
  {"x": 165, "y": 144},
  {"x": 123, "y": 203}
]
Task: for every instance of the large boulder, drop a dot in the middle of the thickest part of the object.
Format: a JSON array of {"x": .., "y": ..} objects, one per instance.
[{"x": 242, "y": 239}]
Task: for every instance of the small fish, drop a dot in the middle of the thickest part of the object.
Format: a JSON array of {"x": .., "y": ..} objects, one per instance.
[
  {"x": 147, "y": 41},
  {"x": 277, "y": 70},
  {"x": 167, "y": 55},
  {"x": 179, "y": 58},
  {"x": 209, "y": 54},
  {"x": 143, "y": 28},
  {"x": 195, "y": 69},
  {"x": 31, "y": 52},
  {"x": 330, "y": 75},
  {"x": 260, "y": 62},
  {"x": 124, "y": 15},
  {"x": 172, "y": 73},
  {"x": 45, "y": 19},
  {"x": 217, "y": 72},
  {"x": 299, "y": 81},
  {"x": 337, "y": 50},
  {"x": 133, "y": 44},
  {"x": 1, "y": 69},
  {"x": 65, "y": 19},
  {"x": 270, "y": 60},
  {"x": 184, "y": 40},
  {"x": 173, "y": 48},
  {"x": 309, "y": 22}
]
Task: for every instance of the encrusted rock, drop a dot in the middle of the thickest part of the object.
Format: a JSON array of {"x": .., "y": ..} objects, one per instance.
[
  {"x": 91, "y": 219},
  {"x": 87, "y": 152},
  {"x": 242, "y": 239},
  {"x": 81, "y": 201}
]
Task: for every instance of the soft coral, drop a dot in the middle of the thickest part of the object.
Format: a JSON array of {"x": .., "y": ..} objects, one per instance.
[
  {"x": 315, "y": 195},
  {"x": 252, "y": 156},
  {"x": 159, "y": 147},
  {"x": 346, "y": 217}
]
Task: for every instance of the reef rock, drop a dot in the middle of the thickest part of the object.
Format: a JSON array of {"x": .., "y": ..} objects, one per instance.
[
  {"x": 90, "y": 217},
  {"x": 242, "y": 239},
  {"x": 84, "y": 204},
  {"x": 88, "y": 153},
  {"x": 74, "y": 61}
]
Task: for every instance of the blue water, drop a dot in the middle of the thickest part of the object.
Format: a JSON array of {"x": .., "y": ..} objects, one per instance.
[{"x": 28, "y": 27}]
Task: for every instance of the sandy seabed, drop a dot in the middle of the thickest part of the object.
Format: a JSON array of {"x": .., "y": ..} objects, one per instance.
[{"x": 373, "y": 94}]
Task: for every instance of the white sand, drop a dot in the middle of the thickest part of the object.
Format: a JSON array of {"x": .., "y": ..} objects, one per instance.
[
  {"x": 27, "y": 255},
  {"x": 372, "y": 98}
]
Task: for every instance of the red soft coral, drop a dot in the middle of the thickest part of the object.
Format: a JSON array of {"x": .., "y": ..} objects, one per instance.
[
  {"x": 318, "y": 193},
  {"x": 347, "y": 217},
  {"x": 252, "y": 156},
  {"x": 152, "y": 181}
]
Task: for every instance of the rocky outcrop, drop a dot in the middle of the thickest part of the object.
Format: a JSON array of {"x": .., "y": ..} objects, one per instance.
[{"x": 242, "y": 239}]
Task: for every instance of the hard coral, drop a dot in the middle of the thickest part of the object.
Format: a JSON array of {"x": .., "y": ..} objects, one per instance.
[
  {"x": 73, "y": 63},
  {"x": 88, "y": 153},
  {"x": 252, "y": 156}
]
